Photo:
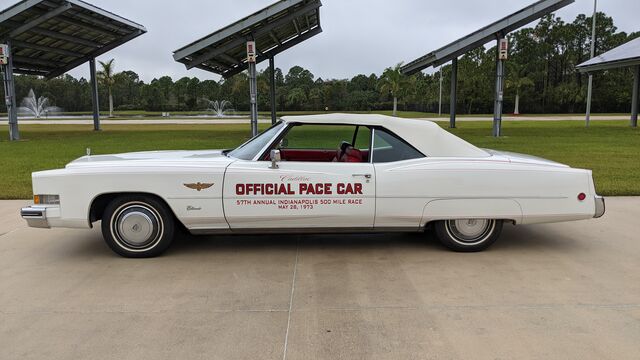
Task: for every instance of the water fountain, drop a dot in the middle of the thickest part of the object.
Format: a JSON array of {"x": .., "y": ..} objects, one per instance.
[
  {"x": 36, "y": 107},
  {"x": 219, "y": 108}
]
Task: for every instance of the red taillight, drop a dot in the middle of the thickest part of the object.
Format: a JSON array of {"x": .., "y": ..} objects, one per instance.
[{"x": 582, "y": 196}]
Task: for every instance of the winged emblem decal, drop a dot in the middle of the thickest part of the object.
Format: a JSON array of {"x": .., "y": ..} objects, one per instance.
[{"x": 198, "y": 186}]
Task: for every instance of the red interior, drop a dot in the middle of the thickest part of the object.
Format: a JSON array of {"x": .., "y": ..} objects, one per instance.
[
  {"x": 307, "y": 155},
  {"x": 313, "y": 155}
]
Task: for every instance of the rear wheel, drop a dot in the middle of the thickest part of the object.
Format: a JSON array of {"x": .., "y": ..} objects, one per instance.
[
  {"x": 468, "y": 235},
  {"x": 137, "y": 226}
]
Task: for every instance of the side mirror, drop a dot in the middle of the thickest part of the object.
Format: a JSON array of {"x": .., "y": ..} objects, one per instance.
[{"x": 275, "y": 158}]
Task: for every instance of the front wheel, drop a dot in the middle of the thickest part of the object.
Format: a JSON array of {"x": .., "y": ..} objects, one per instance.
[
  {"x": 137, "y": 226},
  {"x": 468, "y": 235}
]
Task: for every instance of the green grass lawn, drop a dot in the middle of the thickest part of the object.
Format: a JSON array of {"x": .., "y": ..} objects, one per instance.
[{"x": 610, "y": 148}]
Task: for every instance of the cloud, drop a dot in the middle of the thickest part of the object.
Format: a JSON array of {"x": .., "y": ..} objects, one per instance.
[{"x": 360, "y": 36}]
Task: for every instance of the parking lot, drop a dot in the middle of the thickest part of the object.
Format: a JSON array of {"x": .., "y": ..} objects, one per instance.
[{"x": 558, "y": 291}]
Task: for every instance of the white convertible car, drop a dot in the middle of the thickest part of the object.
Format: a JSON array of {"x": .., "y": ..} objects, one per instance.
[{"x": 387, "y": 174}]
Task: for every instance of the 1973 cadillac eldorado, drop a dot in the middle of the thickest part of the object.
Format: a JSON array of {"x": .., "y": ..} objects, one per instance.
[{"x": 324, "y": 173}]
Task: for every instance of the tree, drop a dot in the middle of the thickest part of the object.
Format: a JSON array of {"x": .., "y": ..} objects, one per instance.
[
  {"x": 106, "y": 76},
  {"x": 541, "y": 77},
  {"x": 517, "y": 80},
  {"x": 393, "y": 82},
  {"x": 296, "y": 98}
]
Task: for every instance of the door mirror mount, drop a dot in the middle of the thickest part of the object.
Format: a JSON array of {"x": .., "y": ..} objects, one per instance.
[{"x": 275, "y": 157}]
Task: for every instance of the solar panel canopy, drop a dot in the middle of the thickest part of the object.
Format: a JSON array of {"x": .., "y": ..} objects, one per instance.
[
  {"x": 275, "y": 28},
  {"x": 51, "y": 37},
  {"x": 627, "y": 54},
  {"x": 485, "y": 34}
]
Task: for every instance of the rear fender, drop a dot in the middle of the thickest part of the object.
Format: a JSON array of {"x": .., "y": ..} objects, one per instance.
[{"x": 445, "y": 209}]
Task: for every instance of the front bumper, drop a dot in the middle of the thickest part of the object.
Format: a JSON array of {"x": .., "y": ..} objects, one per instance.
[
  {"x": 36, "y": 216},
  {"x": 600, "y": 207}
]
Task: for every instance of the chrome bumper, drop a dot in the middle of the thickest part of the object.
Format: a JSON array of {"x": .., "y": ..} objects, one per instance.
[
  {"x": 36, "y": 216},
  {"x": 600, "y": 207}
]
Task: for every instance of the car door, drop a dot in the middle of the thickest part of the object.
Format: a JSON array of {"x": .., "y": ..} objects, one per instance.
[{"x": 303, "y": 195}]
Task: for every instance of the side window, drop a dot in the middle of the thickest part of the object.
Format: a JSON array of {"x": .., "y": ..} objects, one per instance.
[
  {"x": 323, "y": 137},
  {"x": 387, "y": 147},
  {"x": 325, "y": 143}
]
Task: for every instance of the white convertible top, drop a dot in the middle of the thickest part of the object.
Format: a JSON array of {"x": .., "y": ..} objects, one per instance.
[{"x": 426, "y": 136}]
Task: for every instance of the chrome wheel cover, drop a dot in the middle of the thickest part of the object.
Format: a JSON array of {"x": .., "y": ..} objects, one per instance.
[
  {"x": 136, "y": 226},
  {"x": 470, "y": 231}
]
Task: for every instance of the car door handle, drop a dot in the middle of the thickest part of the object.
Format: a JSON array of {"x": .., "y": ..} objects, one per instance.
[{"x": 366, "y": 176}]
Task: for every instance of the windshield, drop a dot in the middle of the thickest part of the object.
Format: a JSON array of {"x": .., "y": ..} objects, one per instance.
[{"x": 250, "y": 149}]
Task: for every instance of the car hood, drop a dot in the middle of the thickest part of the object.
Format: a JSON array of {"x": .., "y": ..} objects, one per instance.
[
  {"x": 151, "y": 158},
  {"x": 524, "y": 158}
]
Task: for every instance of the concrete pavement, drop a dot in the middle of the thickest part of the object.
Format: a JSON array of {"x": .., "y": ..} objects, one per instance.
[{"x": 557, "y": 291}]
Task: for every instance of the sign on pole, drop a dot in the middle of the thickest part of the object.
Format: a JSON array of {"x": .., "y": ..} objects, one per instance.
[
  {"x": 251, "y": 51},
  {"x": 4, "y": 54},
  {"x": 503, "y": 54}
]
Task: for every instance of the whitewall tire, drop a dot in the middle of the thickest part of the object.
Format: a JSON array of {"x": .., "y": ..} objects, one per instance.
[
  {"x": 468, "y": 235},
  {"x": 137, "y": 226}
]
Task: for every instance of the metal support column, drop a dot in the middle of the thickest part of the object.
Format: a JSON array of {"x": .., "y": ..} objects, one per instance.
[
  {"x": 636, "y": 94},
  {"x": 253, "y": 93},
  {"x": 593, "y": 53},
  {"x": 454, "y": 93},
  {"x": 10, "y": 96},
  {"x": 94, "y": 95},
  {"x": 499, "y": 95},
  {"x": 440, "y": 100},
  {"x": 272, "y": 89}
]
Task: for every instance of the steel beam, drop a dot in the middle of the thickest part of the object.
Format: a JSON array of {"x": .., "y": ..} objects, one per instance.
[
  {"x": 499, "y": 94},
  {"x": 272, "y": 88},
  {"x": 212, "y": 63},
  {"x": 36, "y": 61},
  {"x": 274, "y": 38},
  {"x": 95, "y": 54},
  {"x": 44, "y": 48},
  {"x": 229, "y": 59},
  {"x": 454, "y": 93},
  {"x": 636, "y": 94},
  {"x": 100, "y": 22},
  {"x": 87, "y": 27},
  {"x": 10, "y": 97},
  {"x": 30, "y": 72},
  {"x": 40, "y": 19},
  {"x": 94, "y": 95},
  {"x": 295, "y": 24},
  {"x": 65, "y": 37}
]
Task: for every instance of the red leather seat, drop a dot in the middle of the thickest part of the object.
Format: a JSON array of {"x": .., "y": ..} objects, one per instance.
[{"x": 352, "y": 155}]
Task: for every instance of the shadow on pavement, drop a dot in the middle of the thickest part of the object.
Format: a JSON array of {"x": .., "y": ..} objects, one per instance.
[{"x": 517, "y": 239}]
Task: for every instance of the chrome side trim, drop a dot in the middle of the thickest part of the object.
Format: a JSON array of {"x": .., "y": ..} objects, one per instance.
[
  {"x": 600, "y": 207},
  {"x": 36, "y": 216},
  {"x": 296, "y": 231}
]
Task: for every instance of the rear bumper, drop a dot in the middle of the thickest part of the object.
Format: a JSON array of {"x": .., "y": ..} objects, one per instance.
[
  {"x": 600, "y": 207},
  {"x": 36, "y": 216}
]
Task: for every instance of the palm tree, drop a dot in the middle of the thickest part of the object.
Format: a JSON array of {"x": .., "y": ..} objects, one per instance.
[
  {"x": 296, "y": 98},
  {"x": 517, "y": 82},
  {"x": 393, "y": 82},
  {"x": 106, "y": 76}
]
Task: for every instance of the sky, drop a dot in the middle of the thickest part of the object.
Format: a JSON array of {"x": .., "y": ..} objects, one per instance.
[{"x": 359, "y": 36}]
